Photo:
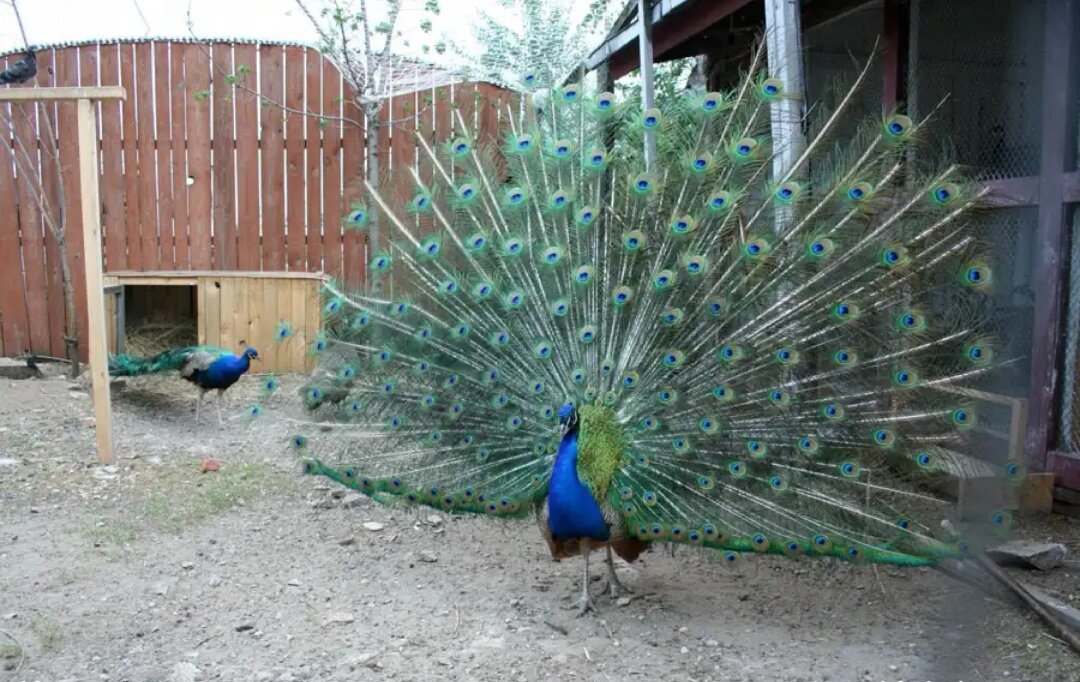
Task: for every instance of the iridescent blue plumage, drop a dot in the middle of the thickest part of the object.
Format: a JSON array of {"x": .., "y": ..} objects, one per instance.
[
  {"x": 748, "y": 358},
  {"x": 573, "y": 512}
]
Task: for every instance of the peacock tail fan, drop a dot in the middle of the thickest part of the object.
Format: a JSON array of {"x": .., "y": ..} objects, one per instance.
[
  {"x": 171, "y": 360},
  {"x": 764, "y": 363}
]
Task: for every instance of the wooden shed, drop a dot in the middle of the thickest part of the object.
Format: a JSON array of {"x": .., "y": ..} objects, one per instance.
[{"x": 223, "y": 308}]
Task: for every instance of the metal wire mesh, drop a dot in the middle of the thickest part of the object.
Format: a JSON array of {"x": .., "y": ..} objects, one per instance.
[
  {"x": 1070, "y": 407},
  {"x": 985, "y": 57},
  {"x": 837, "y": 50}
]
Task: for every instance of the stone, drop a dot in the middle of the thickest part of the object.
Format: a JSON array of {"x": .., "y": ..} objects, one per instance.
[
  {"x": 184, "y": 672},
  {"x": 373, "y": 526},
  {"x": 366, "y": 659},
  {"x": 340, "y": 619},
  {"x": 427, "y": 557},
  {"x": 1041, "y": 555},
  {"x": 215, "y": 580},
  {"x": 353, "y": 500}
]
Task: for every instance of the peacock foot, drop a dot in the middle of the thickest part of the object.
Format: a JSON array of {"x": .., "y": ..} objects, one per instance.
[
  {"x": 615, "y": 587},
  {"x": 585, "y": 604}
]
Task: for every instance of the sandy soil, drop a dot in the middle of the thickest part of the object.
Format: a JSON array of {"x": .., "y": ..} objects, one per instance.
[{"x": 150, "y": 570}]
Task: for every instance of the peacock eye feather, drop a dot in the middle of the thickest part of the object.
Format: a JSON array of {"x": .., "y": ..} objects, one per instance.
[
  {"x": 897, "y": 127},
  {"x": 719, "y": 202}
]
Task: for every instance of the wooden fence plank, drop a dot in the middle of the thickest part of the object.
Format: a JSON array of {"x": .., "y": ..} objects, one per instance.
[
  {"x": 179, "y": 93},
  {"x": 295, "y": 193},
  {"x": 247, "y": 160},
  {"x": 66, "y": 70},
  {"x": 150, "y": 238},
  {"x": 112, "y": 162},
  {"x": 402, "y": 154},
  {"x": 313, "y": 166},
  {"x": 224, "y": 167},
  {"x": 51, "y": 193},
  {"x": 14, "y": 324},
  {"x": 331, "y": 171},
  {"x": 197, "y": 107},
  {"x": 29, "y": 218},
  {"x": 131, "y": 159},
  {"x": 352, "y": 160},
  {"x": 281, "y": 303},
  {"x": 272, "y": 121},
  {"x": 163, "y": 110}
]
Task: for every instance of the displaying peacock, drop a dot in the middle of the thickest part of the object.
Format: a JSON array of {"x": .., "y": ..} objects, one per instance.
[
  {"x": 208, "y": 367},
  {"x": 694, "y": 351}
]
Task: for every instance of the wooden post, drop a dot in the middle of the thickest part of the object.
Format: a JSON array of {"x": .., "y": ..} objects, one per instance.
[
  {"x": 90, "y": 204},
  {"x": 96, "y": 333}
]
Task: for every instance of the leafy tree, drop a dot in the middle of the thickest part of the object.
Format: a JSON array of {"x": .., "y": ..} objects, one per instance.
[{"x": 547, "y": 38}]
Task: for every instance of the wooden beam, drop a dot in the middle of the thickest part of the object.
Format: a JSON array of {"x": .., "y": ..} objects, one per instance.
[
  {"x": 668, "y": 31},
  {"x": 1025, "y": 191},
  {"x": 896, "y": 53},
  {"x": 1061, "y": 65},
  {"x": 56, "y": 94},
  {"x": 1067, "y": 467},
  {"x": 97, "y": 331}
]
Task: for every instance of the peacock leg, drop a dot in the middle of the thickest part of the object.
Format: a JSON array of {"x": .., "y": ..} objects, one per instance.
[
  {"x": 585, "y": 604},
  {"x": 220, "y": 397},
  {"x": 614, "y": 586},
  {"x": 198, "y": 404}
]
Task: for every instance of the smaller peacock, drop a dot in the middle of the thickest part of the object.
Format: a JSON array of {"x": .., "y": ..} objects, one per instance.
[{"x": 208, "y": 367}]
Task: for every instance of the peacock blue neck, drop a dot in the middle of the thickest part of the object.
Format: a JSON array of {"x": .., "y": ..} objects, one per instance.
[
  {"x": 224, "y": 371},
  {"x": 572, "y": 510}
]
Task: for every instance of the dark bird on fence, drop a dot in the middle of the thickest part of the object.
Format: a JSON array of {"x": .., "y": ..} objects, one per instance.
[
  {"x": 21, "y": 71},
  {"x": 695, "y": 348},
  {"x": 208, "y": 367}
]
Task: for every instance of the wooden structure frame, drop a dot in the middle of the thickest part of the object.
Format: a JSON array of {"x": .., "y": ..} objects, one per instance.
[
  {"x": 682, "y": 28},
  {"x": 90, "y": 205},
  {"x": 233, "y": 307}
]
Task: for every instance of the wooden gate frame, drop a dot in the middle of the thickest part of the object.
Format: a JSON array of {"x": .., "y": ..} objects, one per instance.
[{"x": 90, "y": 208}]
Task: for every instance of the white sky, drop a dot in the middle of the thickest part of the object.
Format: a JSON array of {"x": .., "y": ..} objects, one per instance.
[{"x": 53, "y": 21}]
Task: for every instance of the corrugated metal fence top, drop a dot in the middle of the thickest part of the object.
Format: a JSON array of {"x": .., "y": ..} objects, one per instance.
[{"x": 223, "y": 157}]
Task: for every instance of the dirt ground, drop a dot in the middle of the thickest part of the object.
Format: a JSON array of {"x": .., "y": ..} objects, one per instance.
[{"x": 150, "y": 570}]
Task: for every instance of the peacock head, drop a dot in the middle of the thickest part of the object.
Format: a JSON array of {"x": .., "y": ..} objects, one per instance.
[
  {"x": 568, "y": 418},
  {"x": 251, "y": 354}
]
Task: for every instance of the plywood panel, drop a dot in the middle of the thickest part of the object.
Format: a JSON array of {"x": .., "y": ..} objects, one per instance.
[
  {"x": 145, "y": 129},
  {"x": 277, "y": 308},
  {"x": 247, "y": 161},
  {"x": 110, "y": 322},
  {"x": 112, "y": 162},
  {"x": 197, "y": 74},
  {"x": 273, "y": 153},
  {"x": 210, "y": 314},
  {"x": 226, "y": 321},
  {"x": 302, "y": 334},
  {"x": 312, "y": 317}
]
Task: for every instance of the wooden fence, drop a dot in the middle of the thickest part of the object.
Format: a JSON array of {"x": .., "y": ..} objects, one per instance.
[{"x": 199, "y": 174}]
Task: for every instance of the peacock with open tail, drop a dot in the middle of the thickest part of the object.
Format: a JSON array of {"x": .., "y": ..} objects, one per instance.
[{"x": 688, "y": 348}]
